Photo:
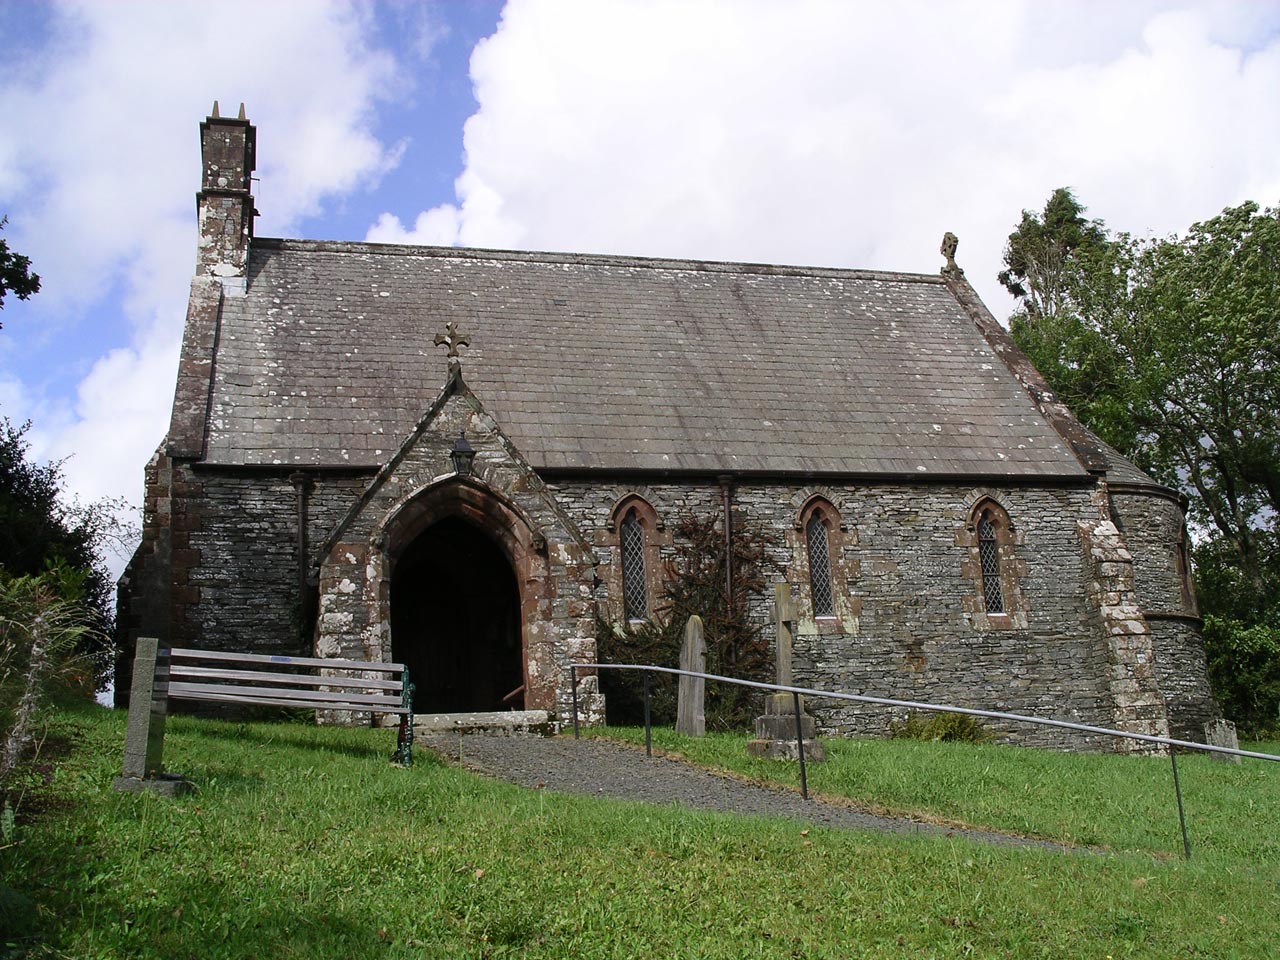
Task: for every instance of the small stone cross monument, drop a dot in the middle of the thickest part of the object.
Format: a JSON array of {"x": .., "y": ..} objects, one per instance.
[{"x": 776, "y": 733}]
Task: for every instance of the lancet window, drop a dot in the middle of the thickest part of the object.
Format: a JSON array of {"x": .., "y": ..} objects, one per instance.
[
  {"x": 635, "y": 592},
  {"x": 819, "y": 545}
]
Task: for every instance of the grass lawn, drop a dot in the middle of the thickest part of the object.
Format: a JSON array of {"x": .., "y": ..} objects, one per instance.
[
  {"x": 1123, "y": 803},
  {"x": 306, "y": 842}
]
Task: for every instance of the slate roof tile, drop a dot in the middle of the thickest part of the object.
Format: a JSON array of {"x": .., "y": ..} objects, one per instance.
[{"x": 618, "y": 363}]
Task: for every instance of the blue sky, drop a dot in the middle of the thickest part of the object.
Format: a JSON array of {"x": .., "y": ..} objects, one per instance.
[{"x": 824, "y": 132}]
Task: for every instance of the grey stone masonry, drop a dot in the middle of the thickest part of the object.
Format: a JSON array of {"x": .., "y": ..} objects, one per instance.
[
  {"x": 1135, "y": 698},
  {"x": 224, "y": 204},
  {"x": 779, "y": 731},
  {"x": 1151, "y": 521},
  {"x": 905, "y": 626}
]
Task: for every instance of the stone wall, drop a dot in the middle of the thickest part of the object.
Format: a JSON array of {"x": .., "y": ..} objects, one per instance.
[
  {"x": 219, "y": 569},
  {"x": 1152, "y": 526},
  {"x": 245, "y": 590},
  {"x": 905, "y": 626},
  {"x": 218, "y": 564}
]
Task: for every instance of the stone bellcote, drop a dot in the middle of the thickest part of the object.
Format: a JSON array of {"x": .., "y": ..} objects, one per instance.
[{"x": 224, "y": 205}]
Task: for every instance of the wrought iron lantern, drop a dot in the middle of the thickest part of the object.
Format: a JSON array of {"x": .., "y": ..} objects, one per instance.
[{"x": 462, "y": 455}]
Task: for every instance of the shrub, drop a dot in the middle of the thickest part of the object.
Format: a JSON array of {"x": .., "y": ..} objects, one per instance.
[
  {"x": 1244, "y": 671},
  {"x": 694, "y": 584},
  {"x": 41, "y": 535},
  {"x": 43, "y": 627},
  {"x": 948, "y": 727}
]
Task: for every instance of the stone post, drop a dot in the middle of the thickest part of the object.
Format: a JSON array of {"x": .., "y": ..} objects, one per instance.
[
  {"x": 691, "y": 717},
  {"x": 1222, "y": 733},
  {"x": 144, "y": 732}
]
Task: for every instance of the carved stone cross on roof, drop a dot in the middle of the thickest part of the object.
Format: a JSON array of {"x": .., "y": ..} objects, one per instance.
[{"x": 452, "y": 339}]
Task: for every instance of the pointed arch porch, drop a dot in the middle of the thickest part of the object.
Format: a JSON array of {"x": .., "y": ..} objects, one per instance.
[{"x": 356, "y": 580}]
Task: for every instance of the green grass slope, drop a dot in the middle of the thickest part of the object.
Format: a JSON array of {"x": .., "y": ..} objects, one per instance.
[{"x": 306, "y": 842}]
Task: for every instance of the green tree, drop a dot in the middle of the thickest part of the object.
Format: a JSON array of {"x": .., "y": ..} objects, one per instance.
[
  {"x": 38, "y": 533},
  {"x": 1195, "y": 327},
  {"x": 1170, "y": 350},
  {"x": 15, "y": 272},
  {"x": 1039, "y": 257},
  {"x": 1053, "y": 261}
]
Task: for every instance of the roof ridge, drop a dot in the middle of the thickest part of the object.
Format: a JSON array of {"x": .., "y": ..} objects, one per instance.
[{"x": 588, "y": 259}]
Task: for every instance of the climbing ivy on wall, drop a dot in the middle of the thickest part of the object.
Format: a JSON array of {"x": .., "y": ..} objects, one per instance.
[{"x": 694, "y": 583}]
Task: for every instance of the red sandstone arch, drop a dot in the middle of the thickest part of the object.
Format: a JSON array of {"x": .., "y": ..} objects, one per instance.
[{"x": 500, "y": 520}]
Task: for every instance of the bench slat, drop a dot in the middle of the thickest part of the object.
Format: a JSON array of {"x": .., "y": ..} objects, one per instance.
[
  {"x": 273, "y": 701},
  {"x": 186, "y": 653},
  {"x": 188, "y": 672},
  {"x": 302, "y": 698}
]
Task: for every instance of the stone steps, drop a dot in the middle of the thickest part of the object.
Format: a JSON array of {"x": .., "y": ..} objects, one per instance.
[{"x": 498, "y": 723}]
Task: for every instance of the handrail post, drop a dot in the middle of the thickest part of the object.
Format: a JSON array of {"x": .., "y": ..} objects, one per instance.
[
  {"x": 573, "y": 678},
  {"x": 404, "y": 740},
  {"x": 1182, "y": 819},
  {"x": 804, "y": 782},
  {"x": 648, "y": 743}
]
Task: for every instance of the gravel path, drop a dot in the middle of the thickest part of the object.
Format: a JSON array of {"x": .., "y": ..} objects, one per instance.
[{"x": 606, "y": 769}]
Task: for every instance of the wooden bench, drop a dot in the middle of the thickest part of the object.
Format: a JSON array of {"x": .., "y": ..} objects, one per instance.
[{"x": 214, "y": 676}]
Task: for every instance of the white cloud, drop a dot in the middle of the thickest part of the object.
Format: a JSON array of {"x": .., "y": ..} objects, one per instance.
[
  {"x": 101, "y": 191},
  {"x": 856, "y": 134},
  {"x": 435, "y": 227}
]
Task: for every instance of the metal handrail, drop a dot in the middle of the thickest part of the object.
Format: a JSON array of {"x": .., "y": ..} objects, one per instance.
[{"x": 1169, "y": 742}]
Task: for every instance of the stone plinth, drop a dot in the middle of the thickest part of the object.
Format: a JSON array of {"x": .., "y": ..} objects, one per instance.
[
  {"x": 776, "y": 732},
  {"x": 497, "y": 723},
  {"x": 164, "y": 785}
]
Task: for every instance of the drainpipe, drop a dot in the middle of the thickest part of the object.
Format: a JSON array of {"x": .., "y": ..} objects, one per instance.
[
  {"x": 726, "y": 488},
  {"x": 302, "y": 485}
]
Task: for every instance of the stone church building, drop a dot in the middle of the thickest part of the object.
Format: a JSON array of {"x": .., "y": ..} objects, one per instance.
[{"x": 950, "y": 532}]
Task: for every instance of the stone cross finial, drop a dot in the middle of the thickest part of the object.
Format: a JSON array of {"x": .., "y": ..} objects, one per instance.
[
  {"x": 949, "y": 244},
  {"x": 452, "y": 339}
]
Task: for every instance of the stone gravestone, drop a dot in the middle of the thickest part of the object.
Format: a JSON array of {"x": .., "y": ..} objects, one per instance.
[
  {"x": 691, "y": 717},
  {"x": 1222, "y": 733},
  {"x": 144, "y": 731},
  {"x": 776, "y": 733}
]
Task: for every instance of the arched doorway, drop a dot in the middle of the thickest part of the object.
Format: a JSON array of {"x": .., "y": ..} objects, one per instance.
[{"x": 455, "y": 621}]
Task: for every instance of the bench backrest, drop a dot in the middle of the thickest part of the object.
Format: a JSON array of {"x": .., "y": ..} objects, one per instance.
[
  {"x": 160, "y": 675},
  {"x": 278, "y": 681}
]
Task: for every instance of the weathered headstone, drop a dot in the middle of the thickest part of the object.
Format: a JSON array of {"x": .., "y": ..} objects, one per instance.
[
  {"x": 1222, "y": 733},
  {"x": 777, "y": 736},
  {"x": 691, "y": 718},
  {"x": 144, "y": 731}
]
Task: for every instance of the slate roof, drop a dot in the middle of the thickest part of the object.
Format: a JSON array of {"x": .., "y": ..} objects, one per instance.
[{"x": 593, "y": 362}]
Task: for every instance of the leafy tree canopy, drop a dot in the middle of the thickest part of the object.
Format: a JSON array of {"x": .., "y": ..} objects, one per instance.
[
  {"x": 1038, "y": 257},
  {"x": 15, "y": 272}
]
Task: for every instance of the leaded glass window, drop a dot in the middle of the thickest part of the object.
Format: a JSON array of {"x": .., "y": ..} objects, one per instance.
[
  {"x": 820, "y": 567},
  {"x": 989, "y": 554},
  {"x": 631, "y": 538}
]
